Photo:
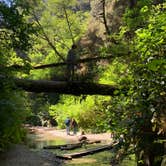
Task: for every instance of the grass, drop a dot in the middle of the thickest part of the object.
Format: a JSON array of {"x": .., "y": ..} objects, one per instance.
[
  {"x": 97, "y": 159},
  {"x": 100, "y": 159}
]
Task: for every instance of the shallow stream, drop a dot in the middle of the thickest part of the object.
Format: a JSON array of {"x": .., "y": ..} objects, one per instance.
[{"x": 37, "y": 141}]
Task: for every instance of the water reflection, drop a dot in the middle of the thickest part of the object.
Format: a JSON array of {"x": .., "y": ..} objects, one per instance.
[{"x": 37, "y": 141}]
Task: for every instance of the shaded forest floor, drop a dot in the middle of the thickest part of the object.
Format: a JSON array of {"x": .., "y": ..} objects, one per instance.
[{"x": 21, "y": 155}]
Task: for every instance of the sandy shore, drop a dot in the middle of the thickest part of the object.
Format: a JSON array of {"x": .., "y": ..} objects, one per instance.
[{"x": 53, "y": 133}]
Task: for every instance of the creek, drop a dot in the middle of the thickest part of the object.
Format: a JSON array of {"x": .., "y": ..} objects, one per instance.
[{"x": 37, "y": 141}]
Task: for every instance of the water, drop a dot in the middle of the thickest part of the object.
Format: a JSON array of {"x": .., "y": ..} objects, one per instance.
[{"x": 37, "y": 141}]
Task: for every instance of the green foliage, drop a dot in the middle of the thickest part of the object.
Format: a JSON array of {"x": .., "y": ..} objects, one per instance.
[
  {"x": 115, "y": 73},
  {"x": 15, "y": 34},
  {"x": 12, "y": 114},
  {"x": 40, "y": 104},
  {"x": 138, "y": 68},
  {"x": 137, "y": 16},
  {"x": 88, "y": 112},
  {"x": 61, "y": 24},
  {"x": 141, "y": 111},
  {"x": 15, "y": 28}
]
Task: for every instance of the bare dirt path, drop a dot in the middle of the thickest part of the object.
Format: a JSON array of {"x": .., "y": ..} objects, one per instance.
[{"x": 53, "y": 133}]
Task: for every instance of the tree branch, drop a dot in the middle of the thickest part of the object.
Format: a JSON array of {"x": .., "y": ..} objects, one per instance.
[
  {"x": 47, "y": 39},
  {"x": 68, "y": 24},
  {"x": 104, "y": 18},
  {"x": 76, "y": 62},
  {"x": 18, "y": 67}
]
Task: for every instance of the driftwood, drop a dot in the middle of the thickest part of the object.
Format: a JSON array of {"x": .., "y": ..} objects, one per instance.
[
  {"x": 82, "y": 153},
  {"x": 93, "y": 142},
  {"x": 79, "y": 145},
  {"x": 61, "y": 146},
  {"x": 90, "y": 151},
  {"x": 70, "y": 146},
  {"x": 63, "y": 157},
  {"x": 53, "y": 147}
]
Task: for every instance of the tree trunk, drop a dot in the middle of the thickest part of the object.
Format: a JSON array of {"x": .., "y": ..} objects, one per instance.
[{"x": 62, "y": 87}]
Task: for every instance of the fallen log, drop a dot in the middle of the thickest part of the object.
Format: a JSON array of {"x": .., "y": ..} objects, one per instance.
[
  {"x": 79, "y": 145},
  {"x": 61, "y": 146},
  {"x": 63, "y": 157},
  {"x": 71, "y": 147},
  {"x": 93, "y": 142},
  {"x": 64, "y": 87},
  {"x": 90, "y": 151},
  {"x": 53, "y": 147}
]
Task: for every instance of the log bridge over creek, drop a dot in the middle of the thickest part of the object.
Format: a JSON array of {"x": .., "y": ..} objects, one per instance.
[{"x": 81, "y": 153}]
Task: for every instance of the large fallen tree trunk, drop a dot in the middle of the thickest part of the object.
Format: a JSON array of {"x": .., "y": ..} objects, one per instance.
[{"x": 62, "y": 87}]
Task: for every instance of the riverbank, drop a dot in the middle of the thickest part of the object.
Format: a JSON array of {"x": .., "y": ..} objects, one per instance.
[{"x": 21, "y": 155}]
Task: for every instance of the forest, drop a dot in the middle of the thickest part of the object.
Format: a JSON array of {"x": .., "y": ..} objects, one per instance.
[{"x": 102, "y": 62}]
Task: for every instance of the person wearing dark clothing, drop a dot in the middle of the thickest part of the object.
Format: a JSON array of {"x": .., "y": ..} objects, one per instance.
[
  {"x": 82, "y": 137},
  {"x": 71, "y": 58},
  {"x": 67, "y": 123},
  {"x": 74, "y": 126}
]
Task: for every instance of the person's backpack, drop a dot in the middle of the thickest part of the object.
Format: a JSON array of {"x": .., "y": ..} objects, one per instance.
[{"x": 67, "y": 122}]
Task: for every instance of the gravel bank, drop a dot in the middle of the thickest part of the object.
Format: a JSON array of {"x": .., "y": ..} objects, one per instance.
[{"x": 20, "y": 155}]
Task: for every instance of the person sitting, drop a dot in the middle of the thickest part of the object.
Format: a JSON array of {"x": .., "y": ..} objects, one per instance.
[{"x": 83, "y": 139}]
